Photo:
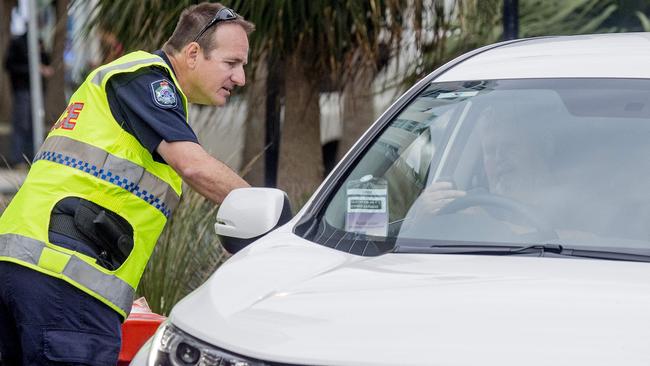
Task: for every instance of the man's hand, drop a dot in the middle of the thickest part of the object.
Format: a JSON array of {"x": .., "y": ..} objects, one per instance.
[
  {"x": 436, "y": 196},
  {"x": 205, "y": 174}
]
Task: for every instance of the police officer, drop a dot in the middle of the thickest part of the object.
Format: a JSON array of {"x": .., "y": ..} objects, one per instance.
[{"x": 76, "y": 238}]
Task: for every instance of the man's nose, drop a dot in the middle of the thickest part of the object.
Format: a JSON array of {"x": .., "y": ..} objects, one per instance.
[{"x": 239, "y": 76}]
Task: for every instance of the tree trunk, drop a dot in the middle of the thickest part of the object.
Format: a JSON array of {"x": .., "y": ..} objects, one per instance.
[
  {"x": 301, "y": 163},
  {"x": 253, "y": 155},
  {"x": 358, "y": 109},
  {"x": 274, "y": 90},
  {"x": 54, "y": 96}
]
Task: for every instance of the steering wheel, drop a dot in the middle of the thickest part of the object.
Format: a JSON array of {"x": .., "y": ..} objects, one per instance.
[{"x": 543, "y": 227}]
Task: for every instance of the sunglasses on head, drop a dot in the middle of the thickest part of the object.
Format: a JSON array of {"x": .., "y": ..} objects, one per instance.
[{"x": 224, "y": 14}]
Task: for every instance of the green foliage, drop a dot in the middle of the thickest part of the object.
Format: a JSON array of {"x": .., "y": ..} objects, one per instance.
[
  {"x": 4, "y": 202},
  {"x": 645, "y": 22},
  {"x": 474, "y": 23},
  {"x": 453, "y": 28},
  {"x": 137, "y": 24},
  {"x": 325, "y": 33},
  {"x": 187, "y": 253},
  {"x": 562, "y": 17}
]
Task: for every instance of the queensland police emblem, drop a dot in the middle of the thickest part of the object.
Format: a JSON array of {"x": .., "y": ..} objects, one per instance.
[{"x": 164, "y": 94}]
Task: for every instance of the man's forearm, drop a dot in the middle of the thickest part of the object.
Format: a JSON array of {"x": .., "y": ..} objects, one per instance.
[
  {"x": 214, "y": 181},
  {"x": 205, "y": 174}
]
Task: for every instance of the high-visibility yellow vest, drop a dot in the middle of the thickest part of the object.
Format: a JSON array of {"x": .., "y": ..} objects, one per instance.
[{"x": 88, "y": 155}]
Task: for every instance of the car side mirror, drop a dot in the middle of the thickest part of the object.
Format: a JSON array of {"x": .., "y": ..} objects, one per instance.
[{"x": 248, "y": 213}]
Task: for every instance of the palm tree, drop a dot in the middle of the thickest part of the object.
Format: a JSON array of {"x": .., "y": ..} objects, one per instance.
[
  {"x": 316, "y": 43},
  {"x": 429, "y": 27},
  {"x": 474, "y": 23},
  {"x": 558, "y": 17}
]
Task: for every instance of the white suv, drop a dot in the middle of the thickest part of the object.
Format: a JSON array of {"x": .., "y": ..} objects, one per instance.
[{"x": 497, "y": 214}]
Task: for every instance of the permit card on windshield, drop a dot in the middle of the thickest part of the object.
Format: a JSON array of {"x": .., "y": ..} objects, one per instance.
[{"x": 367, "y": 206}]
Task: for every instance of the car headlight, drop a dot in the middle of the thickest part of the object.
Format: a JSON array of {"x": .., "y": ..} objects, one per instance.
[{"x": 173, "y": 347}]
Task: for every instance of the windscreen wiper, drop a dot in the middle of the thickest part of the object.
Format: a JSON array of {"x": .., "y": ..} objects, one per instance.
[
  {"x": 638, "y": 255},
  {"x": 482, "y": 249}
]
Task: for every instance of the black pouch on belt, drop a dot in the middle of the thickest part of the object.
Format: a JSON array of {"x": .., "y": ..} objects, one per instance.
[{"x": 111, "y": 232}]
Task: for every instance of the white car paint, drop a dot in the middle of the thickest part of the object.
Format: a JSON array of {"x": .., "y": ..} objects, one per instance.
[
  {"x": 285, "y": 299},
  {"x": 622, "y": 55},
  {"x": 241, "y": 202},
  {"x": 307, "y": 304}
]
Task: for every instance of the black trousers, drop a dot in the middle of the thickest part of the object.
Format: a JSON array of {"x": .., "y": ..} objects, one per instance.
[
  {"x": 22, "y": 139},
  {"x": 46, "y": 321}
]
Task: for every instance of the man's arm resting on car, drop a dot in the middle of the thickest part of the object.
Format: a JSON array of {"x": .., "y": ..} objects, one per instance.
[{"x": 205, "y": 174}]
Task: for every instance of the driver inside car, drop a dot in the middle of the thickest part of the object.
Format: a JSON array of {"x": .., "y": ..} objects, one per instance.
[{"x": 515, "y": 160}]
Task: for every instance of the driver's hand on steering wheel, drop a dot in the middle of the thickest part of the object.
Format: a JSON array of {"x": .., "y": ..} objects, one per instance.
[{"x": 438, "y": 195}]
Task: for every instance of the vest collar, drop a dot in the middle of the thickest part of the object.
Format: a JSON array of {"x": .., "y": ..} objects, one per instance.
[{"x": 165, "y": 58}]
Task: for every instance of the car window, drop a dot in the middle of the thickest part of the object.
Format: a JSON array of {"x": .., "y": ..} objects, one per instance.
[{"x": 502, "y": 161}]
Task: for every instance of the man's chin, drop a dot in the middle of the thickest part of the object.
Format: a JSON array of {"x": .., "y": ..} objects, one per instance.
[{"x": 220, "y": 100}]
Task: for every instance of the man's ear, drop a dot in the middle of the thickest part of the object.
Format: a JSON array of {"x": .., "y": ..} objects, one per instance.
[{"x": 192, "y": 51}]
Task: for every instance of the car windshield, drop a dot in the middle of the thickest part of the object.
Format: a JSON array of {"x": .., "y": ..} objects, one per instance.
[{"x": 500, "y": 162}]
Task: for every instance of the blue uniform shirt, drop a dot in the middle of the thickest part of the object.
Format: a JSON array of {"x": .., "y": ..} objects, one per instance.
[{"x": 149, "y": 117}]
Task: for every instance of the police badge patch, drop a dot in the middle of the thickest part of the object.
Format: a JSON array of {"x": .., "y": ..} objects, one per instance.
[{"x": 164, "y": 94}]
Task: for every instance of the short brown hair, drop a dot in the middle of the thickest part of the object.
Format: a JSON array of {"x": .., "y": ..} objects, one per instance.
[{"x": 190, "y": 23}]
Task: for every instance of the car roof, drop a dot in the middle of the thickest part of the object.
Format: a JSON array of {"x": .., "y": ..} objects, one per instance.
[{"x": 618, "y": 55}]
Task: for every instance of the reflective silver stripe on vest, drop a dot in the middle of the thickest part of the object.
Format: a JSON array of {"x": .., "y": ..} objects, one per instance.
[
  {"x": 99, "y": 76},
  {"x": 105, "y": 285},
  {"x": 108, "y": 167}
]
